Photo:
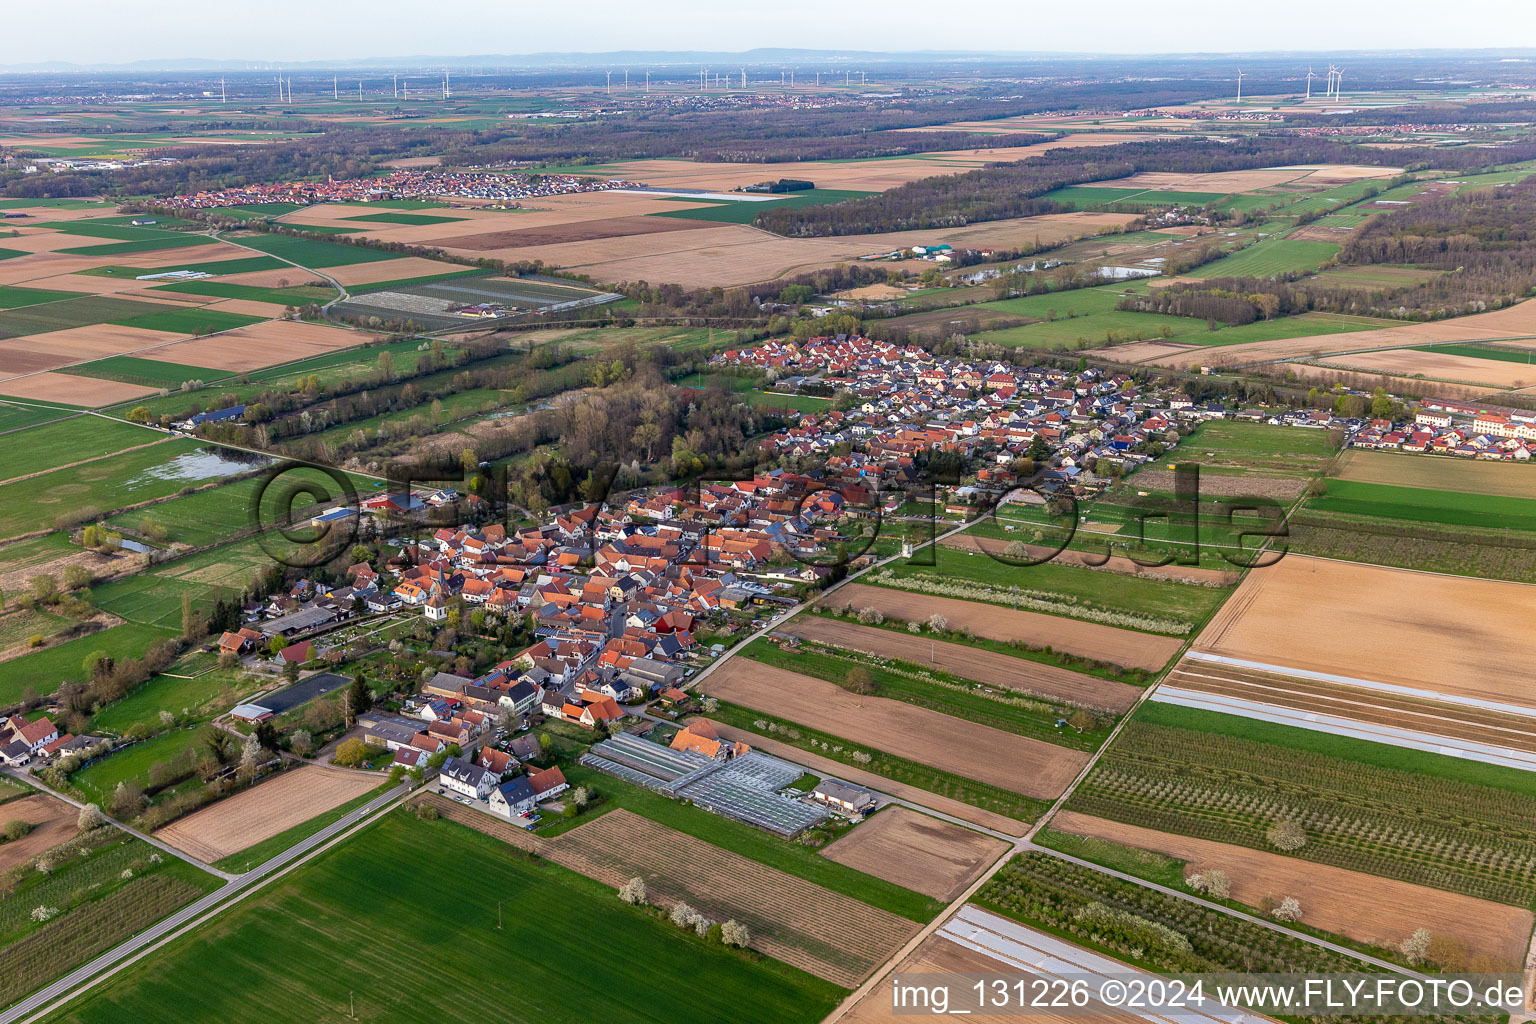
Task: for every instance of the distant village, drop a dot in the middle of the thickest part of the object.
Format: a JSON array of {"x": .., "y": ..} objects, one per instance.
[{"x": 400, "y": 184}]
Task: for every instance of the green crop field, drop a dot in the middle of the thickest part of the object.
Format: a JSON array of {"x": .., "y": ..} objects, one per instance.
[
  {"x": 1097, "y": 329},
  {"x": 10, "y": 254},
  {"x": 66, "y": 313},
  {"x": 363, "y": 924},
  {"x": 1115, "y": 599},
  {"x": 154, "y": 598},
  {"x": 111, "y": 227},
  {"x": 308, "y": 253},
  {"x": 409, "y": 282},
  {"x": 258, "y": 210},
  {"x": 247, "y": 265},
  {"x": 36, "y": 502},
  {"x": 149, "y": 372},
  {"x": 297, "y": 296},
  {"x": 190, "y": 321},
  {"x": 42, "y": 671},
  {"x": 1424, "y": 505},
  {"x": 170, "y": 240},
  {"x": 69, "y": 441},
  {"x": 403, "y": 218},
  {"x": 1503, "y": 355},
  {"x": 15, "y": 298},
  {"x": 1236, "y": 445},
  {"x": 1270, "y": 258},
  {"x": 17, "y": 625},
  {"x": 737, "y": 212},
  {"x": 14, "y": 417}
]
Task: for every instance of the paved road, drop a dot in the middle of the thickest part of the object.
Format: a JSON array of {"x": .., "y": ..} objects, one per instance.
[{"x": 48, "y": 999}]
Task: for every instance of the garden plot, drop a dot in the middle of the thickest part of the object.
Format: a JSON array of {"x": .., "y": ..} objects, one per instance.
[{"x": 916, "y": 851}]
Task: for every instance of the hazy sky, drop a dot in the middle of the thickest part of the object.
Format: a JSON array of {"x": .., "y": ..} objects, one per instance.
[{"x": 107, "y": 31}]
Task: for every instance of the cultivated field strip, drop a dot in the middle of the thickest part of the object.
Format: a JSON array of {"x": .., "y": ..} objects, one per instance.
[
  {"x": 972, "y": 663},
  {"x": 1452, "y": 835},
  {"x": 1380, "y": 911},
  {"x": 1086, "y": 639},
  {"x": 1436, "y": 718},
  {"x": 803, "y": 924},
  {"x": 924, "y": 854},
  {"x": 1442, "y": 634},
  {"x": 1018, "y": 764}
]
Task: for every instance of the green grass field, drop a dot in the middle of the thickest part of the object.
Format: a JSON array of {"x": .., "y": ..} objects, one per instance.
[
  {"x": 1424, "y": 505},
  {"x": 1237, "y": 441},
  {"x": 132, "y": 763},
  {"x": 37, "y": 502},
  {"x": 364, "y": 924},
  {"x": 150, "y": 373},
  {"x": 190, "y": 321},
  {"x": 16, "y": 298},
  {"x": 1069, "y": 590},
  {"x": 42, "y": 671},
  {"x": 72, "y": 440},
  {"x": 165, "y": 692},
  {"x": 1503, "y": 355},
  {"x": 308, "y": 253},
  {"x": 18, "y": 624},
  {"x": 14, "y": 417},
  {"x": 1270, "y": 258}
]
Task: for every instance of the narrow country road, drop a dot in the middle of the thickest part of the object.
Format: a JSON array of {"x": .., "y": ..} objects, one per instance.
[{"x": 50, "y": 998}]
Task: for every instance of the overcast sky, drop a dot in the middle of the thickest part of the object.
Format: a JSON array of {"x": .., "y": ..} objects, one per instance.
[{"x": 108, "y": 31}]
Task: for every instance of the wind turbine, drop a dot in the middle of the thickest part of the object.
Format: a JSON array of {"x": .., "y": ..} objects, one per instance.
[
  {"x": 1240, "y": 77},
  {"x": 743, "y": 78},
  {"x": 223, "y": 96},
  {"x": 1310, "y": 76},
  {"x": 610, "y": 83},
  {"x": 647, "y": 81},
  {"x": 1338, "y": 84}
]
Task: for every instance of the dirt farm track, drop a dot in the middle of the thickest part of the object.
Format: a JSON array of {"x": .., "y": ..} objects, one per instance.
[
  {"x": 1015, "y": 763},
  {"x": 1447, "y": 634},
  {"x": 1087, "y": 639},
  {"x": 970, "y": 662},
  {"x": 1381, "y": 911},
  {"x": 264, "y": 810}
]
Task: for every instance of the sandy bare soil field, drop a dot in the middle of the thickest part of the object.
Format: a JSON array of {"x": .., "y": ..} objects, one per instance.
[
  {"x": 75, "y": 345},
  {"x": 71, "y": 390},
  {"x": 989, "y": 667},
  {"x": 1088, "y": 639},
  {"x": 260, "y": 345},
  {"x": 1117, "y": 563},
  {"x": 1449, "y": 474},
  {"x": 811, "y": 927},
  {"x": 1472, "y": 639},
  {"x": 249, "y": 307},
  {"x": 1409, "y": 362},
  {"x": 1381, "y": 911},
  {"x": 848, "y": 773},
  {"x": 924, "y": 854},
  {"x": 52, "y": 821},
  {"x": 1514, "y": 320},
  {"x": 1015, "y": 763},
  {"x": 42, "y": 265},
  {"x": 1328, "y": 376},
  {"x": 264, "y": 810},
  {"x": 1148, "y": 351},
  {"x": 575, "y": 231},
  {"x": 736, "y": 254}
]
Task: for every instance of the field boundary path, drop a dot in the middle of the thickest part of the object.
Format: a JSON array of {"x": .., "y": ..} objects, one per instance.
[{"x": 50, "y": 998}]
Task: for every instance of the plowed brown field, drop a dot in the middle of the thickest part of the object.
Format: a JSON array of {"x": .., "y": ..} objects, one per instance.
[
  {"x": 803, "y": 924},
  {"x": 1381, "y": 911},
  {"x": 264, "y": 810},
  {"x": 1087, "y": 639},
  {"x": 970, "y": 662},
  {"x": 917, "y": 852},
  {"x": 52, "y": 821},
  {"x": 1015, "y": 763},
  {"x": 260, "y": 345},
  {"x": 1471, "y": 638}
]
